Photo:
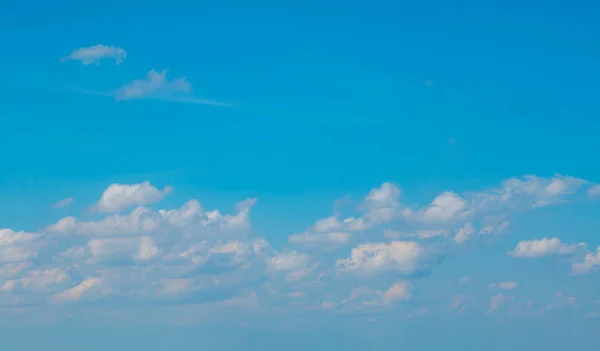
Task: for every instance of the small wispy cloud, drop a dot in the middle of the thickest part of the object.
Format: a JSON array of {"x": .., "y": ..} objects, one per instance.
[
  {"x": 504, "y": 285},
  {"x": 94, "y": 54},
  {"x": 63, "y": 203},
  {"x": 156, "y": 85}
]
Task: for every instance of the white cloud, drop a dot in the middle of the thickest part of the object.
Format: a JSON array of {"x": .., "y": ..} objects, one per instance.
[
  {"x": 327, "y": 240},
  {"x": 494, "y": 227},
  {"x": 421, "y": 234},
  {"x": 363, "y": 297},
  {"x": 560, "y": 302},
  {"x": 11, "y": 270},
  {"x": 385, "y": 196},
  {"x": 590, "y": 261},
  {"x": 328, "y": 224},
  {"x": 464, "y": 233},
  {"x": 94, "y": 54},
  {"x": 497, "y": 301},
  {"x": 120, "y": 197},
  {"x": 10, "y": 237},
  {"x": 140, "y": 220},
  {"x": 528, "y": 192},
  {"x": 378, "y": 207},
  {"x": 400, "y": 291},
  {"x": 105, "y": 250},
  {"x": 38, "y": 280},
  {"x": 295, "y": 265},
  {"x": 510, "y": 285},
  {"x": 543, "y": 247},
  {"x": 594, "y": 191},
  {"x": 77, "y": 292},
  {"x": 445, "y": 207},
  {"x": 63, "y": 203},
  {"x": 156, "y": 85},
  {"x": 132, "y": 253},
  {"x": 147, "y": 249},
  {"x": 18, "y": 246},
  {"x": 403, "y": 257},
  {"x": 16, "y": 254}
]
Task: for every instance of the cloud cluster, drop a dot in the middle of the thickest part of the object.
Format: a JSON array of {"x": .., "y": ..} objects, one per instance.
[
  {"x": 543, "y": 247},
  {"x": 125, "y": 249},
  {"x": 155, "y": 85},
  {"x": 448, "y": 213}
]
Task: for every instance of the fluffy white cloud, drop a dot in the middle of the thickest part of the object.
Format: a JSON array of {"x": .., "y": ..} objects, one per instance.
[
  {"x": 156, "y": 85},
  {"x": 403, "y": 257},
  {"x": 528, "y": 192},
  {"x": 380, "y": 206},
  {"x": 38, "y": 280},
  {"x": 464, "y": 233},
  {"x": 294, "y": 265},
  {"x": 120, "y": 197},
  {"x": 129, "y": 251},
  {"x": 543, "y": 247},
  {"x": 18, "y": 246},
  {"x": 400, "y": 291},
  {"x": 10, "y": 237},
  {"x": 590, "y": 261},
  {"x": 385, "y": 196},
  {"x": 94, "y": 54},
  {"x": 445, "y": 207}
]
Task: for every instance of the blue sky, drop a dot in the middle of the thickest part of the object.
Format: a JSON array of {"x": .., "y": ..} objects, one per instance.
[{"x": 324, "y": 175}]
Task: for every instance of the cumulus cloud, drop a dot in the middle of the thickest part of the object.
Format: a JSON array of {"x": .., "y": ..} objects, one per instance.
[
  {"x": 294, "y": 265},
  {"x": 156, "y": 85},
  {"x": 385, "y": 196},
  {"x": 400, "y": 291},
  {"x": 18, "y": 246},
  {"x": 590, "y": 261},
  {"x": 447, "y": 211},
  {"x": 445, "y": 207},
  {"x": 379, "y": 206},
  {"x": 403, "y": 257},
  {"x": 131, "y": 251},
  {"x": 95, "y": 54},
  {"x": 120, "y": 197},
  {"x": 543, "y": 247}
]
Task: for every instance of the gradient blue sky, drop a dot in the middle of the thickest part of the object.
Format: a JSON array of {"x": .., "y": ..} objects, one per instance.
[{"x": 458, "y": 138}]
